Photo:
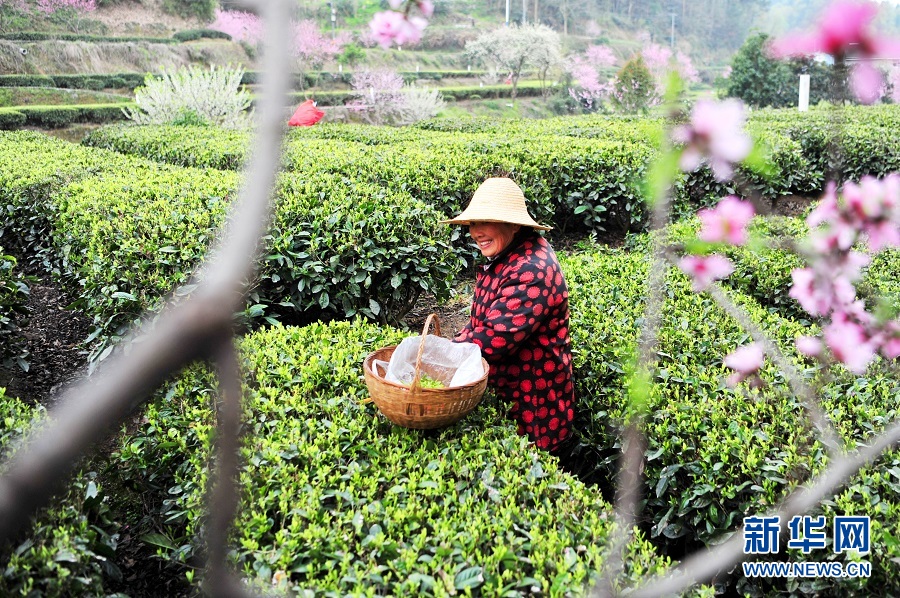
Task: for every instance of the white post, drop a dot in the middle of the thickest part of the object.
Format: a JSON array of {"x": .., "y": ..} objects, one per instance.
[
  {"x": 340, "y": 68},
  {"x": 507, "y": 13},
  {"x": 803, "y": 105}
]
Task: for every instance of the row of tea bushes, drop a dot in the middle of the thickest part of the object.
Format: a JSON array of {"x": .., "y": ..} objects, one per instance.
[
  {"x": 570, "y": 182},
  {"x": 717, "y": 454},
  {"x": 581, "y": 175},
  {"x": 69, "y": 549},
  {"x": 130, "y": 231},
  {"x": 13, "y": 309},
  {"x": 337, "y": 501},
  {"x": 857, "y": 140},
  {"x": 53, "y": 117}
]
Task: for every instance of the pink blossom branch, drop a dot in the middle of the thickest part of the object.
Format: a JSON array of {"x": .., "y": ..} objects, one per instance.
[
  {"x": 807, "y": 397},
  {"x": 634, "y": 444}
]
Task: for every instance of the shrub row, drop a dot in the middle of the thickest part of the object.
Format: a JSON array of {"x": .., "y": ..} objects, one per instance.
[
  {"x": 716, "y": 454},
  {"x": 856, "y": 140},
  {"x": 95, "y": 81},
  {"x": 574, "y": 183},
  {"x": 190, "y": 35},
  {"x": 11, "y": 119},
  {"x": 337, "y": 501},
  {"x": 40, "y": 36},
  {"x": 61, "y": 116},
  {"x": 128, "y": 232},
  {"x": 98, "y": 81},
  {"x": 341, "y": 97},
  {"x": 70, "y": 547},
  {"x": 582, "y": 176},
  {"x": 13, "y": 309}
]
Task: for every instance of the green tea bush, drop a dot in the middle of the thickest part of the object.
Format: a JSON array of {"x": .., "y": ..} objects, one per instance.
[
  {"x": 201, "y": 147},
  {"x": 54, "y": 117},
  {"x": 129, "y": 232},
  {"x": 70, "y": 547},
  {"x": 11, "y": 119},
  {"x": 130, "y": 238},
  {"x": 35, "y": 168},
  {"x": 13, "y": 309},
  {"x": 189, "y": 35},
  {"x": 715, "y": 454},
  {"x": 26, "y": 81},
  {"x": 345, "y": 248},
  {"x": 583, "y": 184},
  {"x": 338, "y": 501}
]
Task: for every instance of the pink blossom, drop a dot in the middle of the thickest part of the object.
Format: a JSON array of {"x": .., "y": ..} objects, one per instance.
[
  {"x": 727, "y": 222},
  {"x": 849, "y": 344},
  {"x": 590, "y": 91},
  {"x": 867, "y": 82},
  {"x": 396, "y": 4},
  {"x": 890, "y": 343},
  {"x": 843, "y": 24},
  {"x": 745, "y": 361},
  {"x": 313, "y": 47},
  {"x": 816, "y": 300},
  {"x": 715, "y": 132},
  {"x": 600, "y": 56},
  {"x": 389, "y": 27},
  {"x": 660, "y": 61},
  {"x": 426, "y": 7},
  {"x": 241, "y": 26},
  {"x": 809, "y": 345},
  {"x": 843, "y": 32},
  {"x": 703, "y": 270}
]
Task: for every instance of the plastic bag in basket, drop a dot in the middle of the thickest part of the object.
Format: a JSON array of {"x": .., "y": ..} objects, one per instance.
[{"x": 453, "y": 364}]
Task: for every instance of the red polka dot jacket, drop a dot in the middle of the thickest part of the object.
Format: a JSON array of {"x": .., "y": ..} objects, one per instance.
[{"x": 520, "y": 319}]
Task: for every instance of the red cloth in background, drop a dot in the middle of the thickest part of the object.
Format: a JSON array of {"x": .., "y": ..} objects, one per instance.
[{"x": 306, "y": 115}]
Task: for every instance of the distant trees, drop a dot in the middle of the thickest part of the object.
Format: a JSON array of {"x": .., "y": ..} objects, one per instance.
[
  {"x": 516, "y": 48},
  {"x": 760, "y": 80},
  {"x": 634, "y": 89},
  {"x": 590, "y": 77}
]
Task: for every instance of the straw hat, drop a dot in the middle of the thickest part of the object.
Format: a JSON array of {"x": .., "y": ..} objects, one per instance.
[{"x": 497, "y": 200}]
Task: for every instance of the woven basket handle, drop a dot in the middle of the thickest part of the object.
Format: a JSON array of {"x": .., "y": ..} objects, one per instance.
[{"x": 415, "y": 387}]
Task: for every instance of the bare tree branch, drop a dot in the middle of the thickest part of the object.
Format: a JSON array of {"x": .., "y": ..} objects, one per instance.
[
  {"x": 629, "y": 481},
  {"x": 224, "y": 494}
]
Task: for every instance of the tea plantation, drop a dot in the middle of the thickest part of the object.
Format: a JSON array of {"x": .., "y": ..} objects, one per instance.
[{"x": 337, "y": 501}]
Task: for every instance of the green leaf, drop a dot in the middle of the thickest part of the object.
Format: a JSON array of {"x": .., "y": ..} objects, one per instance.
[
  {"x": 469, "y": 578},
  {"x": 158, "y": 540}
]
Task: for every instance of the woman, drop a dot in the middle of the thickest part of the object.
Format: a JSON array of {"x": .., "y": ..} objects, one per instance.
[{"x": 520, "y": 313}]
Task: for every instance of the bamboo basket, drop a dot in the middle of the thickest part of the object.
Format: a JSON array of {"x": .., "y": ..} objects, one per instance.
[{"x": 416, "y": 407}]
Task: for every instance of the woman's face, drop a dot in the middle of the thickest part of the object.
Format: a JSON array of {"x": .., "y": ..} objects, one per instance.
[{"x": 492, "y": 237}]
